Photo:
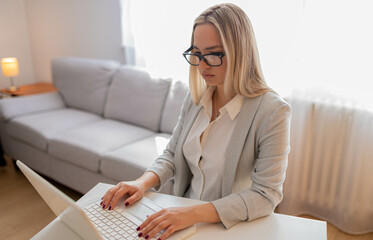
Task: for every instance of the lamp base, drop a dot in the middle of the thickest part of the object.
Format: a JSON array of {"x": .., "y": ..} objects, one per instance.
[{"x": 13, "y": 88}]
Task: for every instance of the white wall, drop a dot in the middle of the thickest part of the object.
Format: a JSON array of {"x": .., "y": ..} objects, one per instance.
[
  {"x": 36, "y": 31},
  {"x": 84, "y": 28},
  {"x": 14, "y": 41}
]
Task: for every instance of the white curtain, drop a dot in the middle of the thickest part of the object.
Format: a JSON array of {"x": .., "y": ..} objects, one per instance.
[
  {"x": 327, "y": 82},
  {"x": 317, "y": 54},
  {"x": 330, "y": 166}
]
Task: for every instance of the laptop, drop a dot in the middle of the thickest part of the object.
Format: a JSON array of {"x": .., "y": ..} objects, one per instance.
[{"x": 91, "y": 222}]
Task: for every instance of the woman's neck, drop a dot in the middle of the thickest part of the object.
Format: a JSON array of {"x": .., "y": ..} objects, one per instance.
[{"x": 220, "y": 98}]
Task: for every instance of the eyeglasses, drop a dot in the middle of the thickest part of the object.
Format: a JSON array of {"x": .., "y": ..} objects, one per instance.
[{"x": 211, "y": 59}]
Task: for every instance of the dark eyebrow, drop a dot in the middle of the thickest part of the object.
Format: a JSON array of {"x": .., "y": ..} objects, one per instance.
[{"x": 209, "y": 48}]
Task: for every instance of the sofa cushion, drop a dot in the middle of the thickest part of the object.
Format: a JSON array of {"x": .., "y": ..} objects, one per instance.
[
  {"x": 36, "y": 129},
  {"x": 25, "y": 105},
  {"x": 137, "y": 98},
  {"x": 174, "y": 101},
  {"x": 130, "y": 162},
  {"x": 83, "y": 146},
  {"x": 83, "y": 83}
]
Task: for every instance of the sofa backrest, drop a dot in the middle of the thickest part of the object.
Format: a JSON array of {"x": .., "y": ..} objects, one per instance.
[
  {"x": 137, "y": 98},
  {"x": 174, "y": 101},
  {"x": 83, "y": 83}
]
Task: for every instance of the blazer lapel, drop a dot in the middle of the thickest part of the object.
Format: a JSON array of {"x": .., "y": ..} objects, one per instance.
[
  {"x": 236, "y": 144},
  {"x": 189, "y": 120},
  {"x": 184, "y": 177}
]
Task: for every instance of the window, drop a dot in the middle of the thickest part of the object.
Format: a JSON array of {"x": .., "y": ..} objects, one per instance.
[{"x": 313, "y": 46}]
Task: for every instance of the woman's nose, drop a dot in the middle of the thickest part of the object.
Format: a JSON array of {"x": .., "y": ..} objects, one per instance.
[{"x": 203, "y": 64}]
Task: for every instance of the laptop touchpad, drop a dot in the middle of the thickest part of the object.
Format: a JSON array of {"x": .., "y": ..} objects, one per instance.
[{"x": 140, "y": 210}]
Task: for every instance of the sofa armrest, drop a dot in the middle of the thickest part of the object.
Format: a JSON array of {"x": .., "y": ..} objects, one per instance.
[{"x": 18, "y": 106}]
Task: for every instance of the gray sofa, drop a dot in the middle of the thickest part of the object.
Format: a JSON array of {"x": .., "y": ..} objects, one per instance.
[{"x": 106, "y": 123}]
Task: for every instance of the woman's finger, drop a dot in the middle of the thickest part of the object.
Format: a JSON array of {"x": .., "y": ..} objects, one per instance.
[
  {"x": 133, "y": 198},
  {"x": 170, "y": 230},
  {"x": 159, "y": 226},
  {"x": 149, "y": 220},
  {"x": 108, "y": 196},
  {"x": 123, "y": 190}
]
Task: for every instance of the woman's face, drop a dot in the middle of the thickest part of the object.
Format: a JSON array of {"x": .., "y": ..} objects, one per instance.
[{"x": 207, "y": 40}]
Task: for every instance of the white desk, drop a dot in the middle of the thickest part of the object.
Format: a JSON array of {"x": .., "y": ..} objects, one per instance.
[{"x": 272, "y": 227}]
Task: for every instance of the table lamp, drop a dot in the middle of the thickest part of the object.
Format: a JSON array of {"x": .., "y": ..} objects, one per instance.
[{"x": 10, "y": 69}]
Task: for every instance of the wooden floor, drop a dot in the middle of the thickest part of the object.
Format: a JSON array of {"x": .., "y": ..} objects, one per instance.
[{"x": 23, "y": 213}]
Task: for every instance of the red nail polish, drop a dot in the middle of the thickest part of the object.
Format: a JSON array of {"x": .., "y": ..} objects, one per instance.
[
  {"x": 109, "y": 208},
  {"x": 138, "y": 229},
  {"x": 159, "y": 238},
  {"x": 126, "y": 204},
  {"x": 103, "y": 206},
  {"x": 101, "y": 203},
  {"x": 140, "y": 234},
  {"x": 147, "y": 236}
]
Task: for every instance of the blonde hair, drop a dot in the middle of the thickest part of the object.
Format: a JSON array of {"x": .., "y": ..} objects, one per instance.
[{"x": 244, "y": 74}]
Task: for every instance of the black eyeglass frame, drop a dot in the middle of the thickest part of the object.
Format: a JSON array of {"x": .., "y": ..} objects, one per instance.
[{"x": 202, "y": 57}]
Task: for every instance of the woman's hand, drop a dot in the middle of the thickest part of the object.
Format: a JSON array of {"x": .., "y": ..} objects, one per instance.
[
  {"x": 170, "y": 220},
  {"x": 173, "y": 219},
  {"x": 135, "y": 189}
]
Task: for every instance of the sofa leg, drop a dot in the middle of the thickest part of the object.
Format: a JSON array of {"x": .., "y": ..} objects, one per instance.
[{"x": 2, "y": 159}]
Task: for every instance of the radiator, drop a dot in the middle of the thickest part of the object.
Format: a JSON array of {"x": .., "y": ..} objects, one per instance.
[{"x": 330, "y": 170}]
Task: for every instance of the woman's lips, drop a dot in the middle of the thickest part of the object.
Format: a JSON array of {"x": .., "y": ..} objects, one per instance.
[{"x": 206, "y": 75}]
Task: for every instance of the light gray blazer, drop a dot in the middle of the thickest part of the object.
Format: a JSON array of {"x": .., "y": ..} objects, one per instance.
[{"x": 255, "y": 163}]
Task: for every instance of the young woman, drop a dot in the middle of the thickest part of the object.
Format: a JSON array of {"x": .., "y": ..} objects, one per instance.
[{"x": 231, "y": 142}]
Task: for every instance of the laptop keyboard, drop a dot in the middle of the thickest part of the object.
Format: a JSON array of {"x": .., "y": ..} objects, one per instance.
[{"x": 114, "y": 224}]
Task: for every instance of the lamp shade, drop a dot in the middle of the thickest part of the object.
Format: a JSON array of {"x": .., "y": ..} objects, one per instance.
[{"x": 9, "y": 66}]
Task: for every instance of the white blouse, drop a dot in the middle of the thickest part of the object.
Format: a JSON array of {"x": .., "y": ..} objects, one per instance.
[{"x": 205, "y": 156}]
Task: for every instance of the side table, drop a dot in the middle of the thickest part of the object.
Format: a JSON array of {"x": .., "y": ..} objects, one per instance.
[
  {"x": 30, "y": 89},
  {"x": 24, "y": 90}
]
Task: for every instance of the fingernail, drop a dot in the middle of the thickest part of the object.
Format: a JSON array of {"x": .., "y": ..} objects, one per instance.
[
  {"x": 102, "y": 198},
  {"x": 140, "y": 234},
  {"x": 138, "y": 229},
  {"x": 101, "y": 203},
  {"x": 109, "y": 208},
  {"x": 147, "y": 236},
  {"x": 159, "y": 238},
  {"x": 126, "y": 204},
  {"x": 103, "y": 206}
]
